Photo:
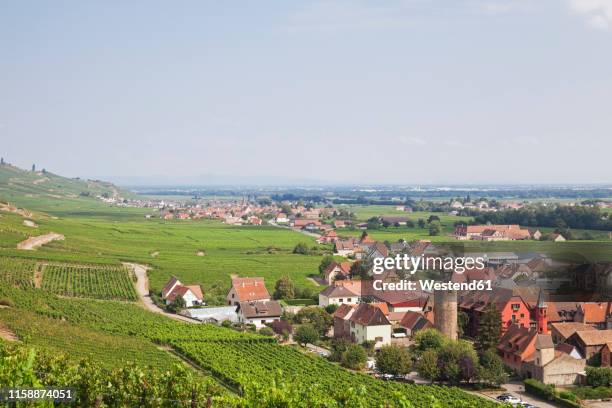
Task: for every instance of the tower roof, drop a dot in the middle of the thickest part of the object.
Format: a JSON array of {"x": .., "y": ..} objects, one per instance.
[{"x": 541, "y": 301}]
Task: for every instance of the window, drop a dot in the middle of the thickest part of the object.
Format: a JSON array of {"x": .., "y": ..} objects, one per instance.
[
  {"x": 513, "y": 318},
  {"x": 377, "y": 339},
  {"x": 522, "y": 315},
  {"x": 232, "y": 295},
  {"x": 340, "y": 300},
  {"x": 516, "y": 306},
  {"x": 348, "y": 299}
]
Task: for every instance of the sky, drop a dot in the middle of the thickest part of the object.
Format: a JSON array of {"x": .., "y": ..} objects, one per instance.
[{"x": 391, "y": 92}]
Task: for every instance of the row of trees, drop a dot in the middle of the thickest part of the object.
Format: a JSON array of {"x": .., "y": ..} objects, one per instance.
[
  {"x": 440, "y": 359},
  {"x": 560, "y": 217}
]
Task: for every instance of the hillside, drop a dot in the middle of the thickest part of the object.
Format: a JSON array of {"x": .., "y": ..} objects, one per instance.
[{"x": 38, "y": 190}]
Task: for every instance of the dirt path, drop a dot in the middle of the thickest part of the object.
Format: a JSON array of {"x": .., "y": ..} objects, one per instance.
[
  {"x": 142, "y": 288},
  {"x": 7, "y": 334},
  {"x": 34, "y": 242},
  {"x": 30, "y": 223}
]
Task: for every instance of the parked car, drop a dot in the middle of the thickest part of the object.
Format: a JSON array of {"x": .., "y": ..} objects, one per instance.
[
  {"x": 509, "y": 398},
  {"x": 526, "y": 405}
]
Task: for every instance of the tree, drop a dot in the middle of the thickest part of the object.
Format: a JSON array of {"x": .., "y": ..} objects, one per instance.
[
  {"x": 435, "y": 228},
  {"x": 432, "y": 218},
  {"x": 325, "y": 262},
  {"x": 2, "y": 160},
  {"x": 266, "y": 331},
  {"x": 428, "y": 339},
  {"x": 374, "y": 223},
  {"x": 301, "y": 249},
  {"x": 393, "y": 360},
  {"x": 316, "y": 316},
  {"x": 338, "y": 347},
  {"x": 177, "y": 305},
  {"x": 305, "y": 334},
  {"x": 489, "y": 329},
  {"x": 427, "y": 366},
  {"x": 421, "y": 223},
  {"x": 457, "y": 362},
  {"x": 359, "y": 268},
  {"x": 33, "y": 167},
  {"x": 284, "y": 288},
  {"x": 354, "y": 357},
  {"x": 331, "y": 308},
  {"x": 492, "y": 370},
  {"x": 462, "y": 322},
  {"x": 368, "y": 346}
]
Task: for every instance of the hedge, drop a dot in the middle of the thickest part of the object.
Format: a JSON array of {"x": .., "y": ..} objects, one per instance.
[{"x": 547, "y": 392}]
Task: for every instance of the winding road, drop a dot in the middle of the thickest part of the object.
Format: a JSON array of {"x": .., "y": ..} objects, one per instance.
[{"x": 142, "y": 288}]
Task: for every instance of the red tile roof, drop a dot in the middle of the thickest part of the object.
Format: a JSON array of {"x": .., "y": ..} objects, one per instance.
[
  {"x": 368, "y": 315},
  {"x": 248, "y": 289}
]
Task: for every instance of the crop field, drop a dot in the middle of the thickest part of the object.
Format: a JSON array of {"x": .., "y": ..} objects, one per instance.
[
  {"x": 17, "y": 272},
  {"x": 106, "y": 282},
  {"x": 241, "y": 361}
]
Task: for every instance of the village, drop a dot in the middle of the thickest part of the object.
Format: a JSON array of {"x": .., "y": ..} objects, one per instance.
[{"x": 542, "y": 333}]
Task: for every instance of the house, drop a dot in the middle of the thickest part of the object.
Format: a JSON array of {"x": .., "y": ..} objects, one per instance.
[
  {"x": 337, "y": 295},
  {"x": 342, "y": 325},
  {"x": 594, "y": 313},
  {"x": 515, "y": 306},
  {"x": 191, "y": 294},
  {"x": 562, "y": 331},
  {"x": 516, "y": 344},
  {"x": 281, "y": 218},
  {"x": 535, "y": 234},
  {"x": 339, "y": 224},
  {"x": 590, "y": 343},
  {"x": 377, "y": 250},
  {"x": 491, "y": 232},
  {"x": 336, "y": 270},
  {"x": 553, "y": 366},
  {"x": 305, "y": 224},
  {"x": 606, "y": 355},
  {"x": 345, "y": 247},
  {"x": 259, "y": 312},
  {"x": 414, "y": 321},
  {"x": 329, "y": 236},
  {"x": 557, "y": 237},
  {"x": 368, "y": 323},
  {"x": 246, "y": 290}
]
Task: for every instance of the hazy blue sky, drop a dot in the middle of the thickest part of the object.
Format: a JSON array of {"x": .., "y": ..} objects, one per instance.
[{"x": 413, "y": 91}]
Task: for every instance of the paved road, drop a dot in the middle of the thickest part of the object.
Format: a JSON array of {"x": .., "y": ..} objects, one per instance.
[
  {"x": 142, "y": 288},
  {"x": 517, "y": 389}
]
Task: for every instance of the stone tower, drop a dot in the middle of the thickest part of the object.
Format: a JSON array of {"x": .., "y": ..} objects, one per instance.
[{"x": 445, "y": 313}]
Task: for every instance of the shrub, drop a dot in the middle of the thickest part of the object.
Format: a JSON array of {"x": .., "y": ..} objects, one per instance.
[
  {"x": 354, "y": 357},
  {"x": 301, "y": 249},
  {"x": 266, "y": 331},
  {"x": 599, "y": 376}
]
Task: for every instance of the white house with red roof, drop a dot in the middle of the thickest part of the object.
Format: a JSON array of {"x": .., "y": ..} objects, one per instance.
[{"x": 191, "y": 294}]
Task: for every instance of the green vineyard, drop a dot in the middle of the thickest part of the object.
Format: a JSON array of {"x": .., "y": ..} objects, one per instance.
[
  {"x": 239, "y": 362},
  {"x": 100, "y": 282},
  {"x": 17, "y": 272}
]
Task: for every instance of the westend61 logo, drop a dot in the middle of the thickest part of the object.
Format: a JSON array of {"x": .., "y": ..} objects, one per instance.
[{"x": 412, "y": 264}]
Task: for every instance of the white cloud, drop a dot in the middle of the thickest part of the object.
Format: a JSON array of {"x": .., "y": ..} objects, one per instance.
[
  {"x": 598, "y": 13},
  {"x": 412, "y": 141}
]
